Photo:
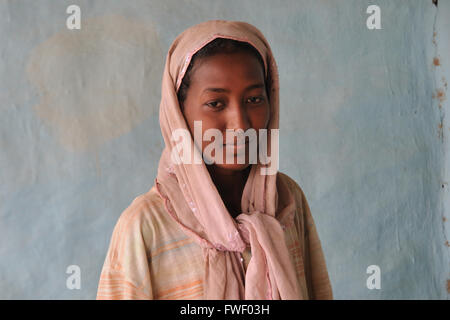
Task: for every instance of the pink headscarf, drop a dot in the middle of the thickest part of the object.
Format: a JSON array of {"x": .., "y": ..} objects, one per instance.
[{"x": 191, "y": 197}]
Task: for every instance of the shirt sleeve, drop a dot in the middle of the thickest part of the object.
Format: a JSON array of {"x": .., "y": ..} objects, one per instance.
[
  {"x": 126, "y": 272},
  {"x": 316, "y": 273},
  {"x": 314, "y": 269}
]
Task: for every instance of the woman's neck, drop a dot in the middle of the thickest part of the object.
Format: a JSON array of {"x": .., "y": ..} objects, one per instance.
[{"x": 230, "y": 185}]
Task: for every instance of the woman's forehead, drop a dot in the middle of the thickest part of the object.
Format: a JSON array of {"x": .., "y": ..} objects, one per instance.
[
  {"x": 185, "y": 49},
  {"x": 243, "y": 64}
]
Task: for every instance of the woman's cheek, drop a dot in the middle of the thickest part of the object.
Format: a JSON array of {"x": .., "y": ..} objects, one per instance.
[{"x": 261, "y": 117}]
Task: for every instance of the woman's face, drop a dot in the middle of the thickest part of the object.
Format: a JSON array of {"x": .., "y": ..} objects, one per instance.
[{"x": 227, "y": 91}]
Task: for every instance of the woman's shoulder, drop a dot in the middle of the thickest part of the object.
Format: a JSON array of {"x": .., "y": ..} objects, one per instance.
[
  {"x": 145, "y": 217},
  {"x": 145, "y": 207},
  {"x": 303, "y": 211},
  {"x": 293, "y": 186}
]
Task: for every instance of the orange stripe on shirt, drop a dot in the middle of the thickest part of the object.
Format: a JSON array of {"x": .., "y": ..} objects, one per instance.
[
  {"x": 178, "y": 288},
  {"x": 171, "y": 246},
  {"x": 111, "y": 285},
  {"x": 185, "y": 293},
  {"x": 122, "y": 291},
  {"x": 119, "y": 297}
]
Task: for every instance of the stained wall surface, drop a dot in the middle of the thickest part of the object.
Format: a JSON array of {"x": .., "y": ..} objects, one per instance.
[{"x": 363, "y": 132}]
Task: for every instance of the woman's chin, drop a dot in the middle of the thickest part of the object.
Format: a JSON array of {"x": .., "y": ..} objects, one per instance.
[{"x": 232, "y": 167}]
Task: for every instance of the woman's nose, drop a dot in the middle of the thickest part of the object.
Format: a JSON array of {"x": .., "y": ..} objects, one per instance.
[{"x": 238, "y": 117}]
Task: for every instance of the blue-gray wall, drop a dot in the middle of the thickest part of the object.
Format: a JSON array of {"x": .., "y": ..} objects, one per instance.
[{"x": 363, "y": 132}]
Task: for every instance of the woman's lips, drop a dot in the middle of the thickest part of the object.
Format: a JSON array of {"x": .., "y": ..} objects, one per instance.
[
  {"x": 238, "y": 147},
  {"x": 235, "y": 146}
]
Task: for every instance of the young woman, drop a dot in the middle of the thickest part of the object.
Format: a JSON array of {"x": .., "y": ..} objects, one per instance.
[{"x": 217, "y": 229}]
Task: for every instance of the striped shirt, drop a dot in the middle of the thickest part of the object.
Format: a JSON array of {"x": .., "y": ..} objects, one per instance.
[{"x": 150, "y": 257}]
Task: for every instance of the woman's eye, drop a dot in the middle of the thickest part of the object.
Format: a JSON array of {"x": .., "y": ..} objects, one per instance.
[
  {"x": 214, "y": 104},
  {"x": 256, "y": 100}
]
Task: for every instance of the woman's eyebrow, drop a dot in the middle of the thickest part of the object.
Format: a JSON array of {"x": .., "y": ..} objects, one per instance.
[{"x": 253, "y": 86}]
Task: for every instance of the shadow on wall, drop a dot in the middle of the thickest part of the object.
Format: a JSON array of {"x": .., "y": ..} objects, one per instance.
[{"x": 98, "y": 82}]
